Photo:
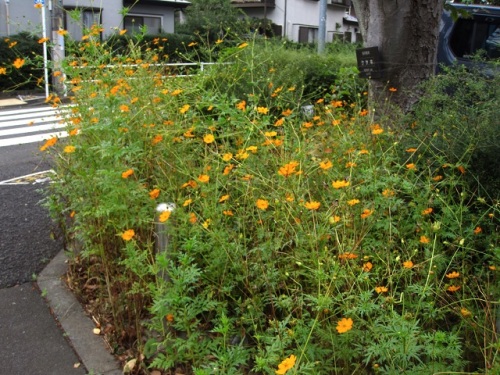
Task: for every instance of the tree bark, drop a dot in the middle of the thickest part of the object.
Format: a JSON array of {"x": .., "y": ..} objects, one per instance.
[{"x": 406, "y": 33}]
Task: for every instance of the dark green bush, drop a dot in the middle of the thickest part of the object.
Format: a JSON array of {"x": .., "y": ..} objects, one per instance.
[
  {"x": 458, "y": 117},
  {"x": 26, "y": 47}
]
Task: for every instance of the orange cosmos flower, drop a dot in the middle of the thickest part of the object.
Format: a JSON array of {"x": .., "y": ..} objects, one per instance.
[
  {"x": 287, "y": 112},
  {"x": 62, "y": 32},
  {"x": 124, "y": 108},
  {"x": 184, "y": 108},
  {"x": 453, "y": 288},
  {"x": 176, "y": 92},
  {"x": 411, "y": 150},
  {"x": 241, "y": 105},
  {"x": 344, "y": 325},
  {"x": 157, "y": 139},
  {"x": 381, "y": 289},
  {"x": 127, "y": 173},
  {"x": 326, "y": 164},
  {"x": 427, "y": 211},
  {"x": 228, "y": 213},
  {"x": 155, "y": 193},
  {"x": 411, "y": 166},
  {"x": 49, "y": 143},
  {"x": 367, "y": 267},
  {"x": 347, "y": 256},
  {"x": 38, "y": 5},
  {"x": 69, "y": 149},
  {"x": 262, "y": 204},
  {"x": 263, "y": 110},
  {"x": 208, "y": 138},
  {"x": 465, "y": 313},
  {"x": 43, "y": 40},
  {"x": 424, "y": 239},
  {"x": 18, "y": 63},
  {"x": 224, "y": 198},
  {"x": 192, "y": 218},
  {"x": 408, "y": 264},
  {"x": 437, "y": 178},
  {"x": 453, "y": 275},
  {"x": 366, "y": 212},
  {"x": 286, "y": 365},
  {"x": 128, "y": 234},
  {"x": 364, "y": 112},
  {"x": 124, "y": 31},
  {"x": 376, "y": 129},
  {"x": 353, "y": 202},
  {"x": 164, "y": 216},
  {"x": 393, "y": 89},
  {"x": 478, "y": 230},
  {"x": 388, "y": 193},
  {"x": 203, "y": 178},
  {"x": 288, "y": 169},
  {"x": 461, "y": 169},
  {"x": 340, "y": 184},
  {"x": 312, "y": 205},
  {"x": 243, "y": 45}
]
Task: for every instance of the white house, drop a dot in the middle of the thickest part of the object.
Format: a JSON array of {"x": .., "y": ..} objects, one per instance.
[
  {"x": 155, "y": 15},
  {"x": 298, "y": 20}
]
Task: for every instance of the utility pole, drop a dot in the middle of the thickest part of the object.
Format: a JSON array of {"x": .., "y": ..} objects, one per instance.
[
  {"x": 58, "y": 46},
  {"x": 322, "y": 26}
]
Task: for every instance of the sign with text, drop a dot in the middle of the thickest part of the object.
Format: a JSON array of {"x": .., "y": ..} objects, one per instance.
[
  {"x": 369, "y": 62},
  {"x": 40, "y": 2}
]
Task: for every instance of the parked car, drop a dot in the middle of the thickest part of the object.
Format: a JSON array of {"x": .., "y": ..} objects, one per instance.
[{"x": 461, "y": 39}]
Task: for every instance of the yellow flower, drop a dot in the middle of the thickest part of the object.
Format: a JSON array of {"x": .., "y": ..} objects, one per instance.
[
  {"x": 208, "y": 138},
  {"x": 424, "y": 239},
  {"x": 286, "y": 365},
  {"x": 465, "y": 313},
  {"x": 224, "y": 198},
  {"x": 408, "y": 264},
  {"x": 263, "y": 110},
  {"x": 228, "y": 213},
  {"x": 326, "y": 164},
  {"x": 353, "y": 202},
  {"x": 388, "y": 193},
  {"x": 334, "y": 219},
  {"x": 411, "y": 149},
  {"x": 376, "y": 129},
  {"x": 184, "y": 108},
  {"x": 123, "y": 31},
  {"x": 344, "y": 325},
  {"x": 262, "y": 204},
  {"x": 18, "y": 63},
  {"x": 243, "y": 45},
  {"x": 206, "y": 223},
  {"x": 312, "y": 205},
  {"x": 128, "y": 234},
  {"x": 437, "y": 178},
  {"x": 381, "y": 289},
  {"x": 453, "y": 275},
  {"x": 164, "y": 216},
  {"x": 219, "y": 41},
  {"x": 411, "y": 166},
  {"x": 62, "y": 32},
  {"x": 204, "y": 178},
  {"x": 38, "y": 5},
  {"x": 280, "y": 122},
  {"x": 43, "y": 40},
  {"x": 176, "y": 92},
  {"x": 192, "y": 44},
  {"x": 69, "y": 149},
  {"x": 187, "y": 202},
  {"x": 153, "y": 194},
  {"x": 3, "y": 71},
  {"x": 241, "y": 105},
  {"x": 366, "y": 212},
  {"x": 288, "y": 169},
  {"x": 340, "y": 184}
]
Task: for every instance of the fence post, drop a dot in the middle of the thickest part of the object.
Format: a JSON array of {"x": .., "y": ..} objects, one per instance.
[{"x": 161, "y": 244}]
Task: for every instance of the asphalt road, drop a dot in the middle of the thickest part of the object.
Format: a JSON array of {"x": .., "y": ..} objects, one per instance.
[{"x": 26, "y": 240}]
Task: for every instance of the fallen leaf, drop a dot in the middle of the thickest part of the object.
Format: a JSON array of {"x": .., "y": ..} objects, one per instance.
[
  {"x": 76, "y": 365},
  {"x": 129, "y": 366},
  {"x": 97, "y": 331}
]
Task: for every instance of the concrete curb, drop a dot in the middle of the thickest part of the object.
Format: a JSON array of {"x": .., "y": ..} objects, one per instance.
[{"x": 78, "y": 327}]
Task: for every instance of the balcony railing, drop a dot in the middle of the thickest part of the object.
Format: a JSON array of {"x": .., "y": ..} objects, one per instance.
[{"x": 254, "y": 3}]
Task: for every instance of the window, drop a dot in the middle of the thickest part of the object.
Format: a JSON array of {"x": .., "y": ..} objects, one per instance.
[
  {"x": 472, "y": 35},
  {"x": 134, "y": 23},
  {"x": 79, "y": 20},
  {"x": 308, "y": 34}
]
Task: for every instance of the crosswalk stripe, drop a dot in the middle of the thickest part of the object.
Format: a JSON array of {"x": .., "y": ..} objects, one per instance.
[{"x": 18, "y": 126}]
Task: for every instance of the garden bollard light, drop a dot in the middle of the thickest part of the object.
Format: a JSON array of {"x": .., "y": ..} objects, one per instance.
[{"x": 161, "y": 244}]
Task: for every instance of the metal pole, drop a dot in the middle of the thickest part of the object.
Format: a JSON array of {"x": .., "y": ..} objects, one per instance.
[
  {"x": 7, "y": 16},
  {"x": 45, "y": 67},
  {"x": 322, "y": 26},
  {"x": 58, "y": 46}
]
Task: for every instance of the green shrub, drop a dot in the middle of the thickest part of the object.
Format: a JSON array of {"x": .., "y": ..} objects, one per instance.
[
  {"x": 29, "y": 75},
  {"x": 298, "y": 241},
  {"x": 458, "y": 117}
]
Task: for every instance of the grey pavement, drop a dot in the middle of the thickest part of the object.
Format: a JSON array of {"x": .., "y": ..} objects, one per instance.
[{"x": 43, "y": 328}]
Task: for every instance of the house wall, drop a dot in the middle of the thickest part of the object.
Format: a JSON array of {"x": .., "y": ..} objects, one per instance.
[
  {"x": 167, "y": 14},
  {"x": 291, "y": 15},
  {"x": 22, "y": 16}
]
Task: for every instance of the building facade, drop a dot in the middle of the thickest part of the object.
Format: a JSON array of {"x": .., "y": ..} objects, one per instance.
[
  {"x": 153, "y": 15},
  {"x": 298, "y": 20}
]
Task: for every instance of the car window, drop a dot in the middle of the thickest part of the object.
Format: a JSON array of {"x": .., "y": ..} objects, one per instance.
[{"x": 473, "y": 35}]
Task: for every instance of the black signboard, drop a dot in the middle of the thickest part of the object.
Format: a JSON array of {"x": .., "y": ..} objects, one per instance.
[{"x": 369, "y": 62}]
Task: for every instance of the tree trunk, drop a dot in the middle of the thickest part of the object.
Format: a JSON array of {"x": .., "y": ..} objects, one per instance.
[{"x": 406, "y": 33}]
